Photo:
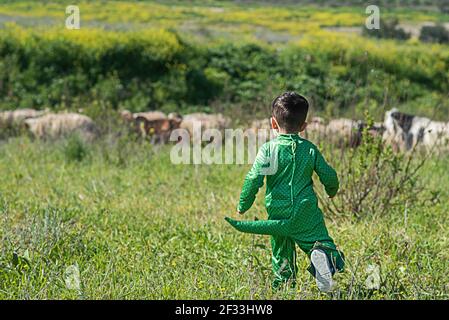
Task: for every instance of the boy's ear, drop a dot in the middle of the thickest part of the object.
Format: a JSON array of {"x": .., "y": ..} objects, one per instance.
[
  {"x": 303, "y": 127},
  {"x": 274, "y": 125}
]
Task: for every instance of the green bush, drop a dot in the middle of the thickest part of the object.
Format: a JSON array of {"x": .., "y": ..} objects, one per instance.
[
  {"x": 437, "y": 33},
  {"x": 75, "y": 149},
  {"x": 388, "y": 29},
  {"x": 376, "y": 180},
  {"x": 159, "y": 70}
]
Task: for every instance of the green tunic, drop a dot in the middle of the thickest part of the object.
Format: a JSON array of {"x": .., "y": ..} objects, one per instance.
[{"x": 288, "y": 163}]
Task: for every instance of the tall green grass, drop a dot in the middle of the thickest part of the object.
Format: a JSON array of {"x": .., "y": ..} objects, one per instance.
[{"x": 144, "y": 228}]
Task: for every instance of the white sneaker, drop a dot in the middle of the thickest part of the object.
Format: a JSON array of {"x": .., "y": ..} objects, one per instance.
[{"x": 323, "y": 273}]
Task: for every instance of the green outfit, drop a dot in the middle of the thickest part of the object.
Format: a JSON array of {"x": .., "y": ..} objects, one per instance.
[{"x": 288, "y": 163}]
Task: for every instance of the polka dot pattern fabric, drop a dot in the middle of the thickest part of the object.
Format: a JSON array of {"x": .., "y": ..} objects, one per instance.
[{"x": 288, "y": 163}]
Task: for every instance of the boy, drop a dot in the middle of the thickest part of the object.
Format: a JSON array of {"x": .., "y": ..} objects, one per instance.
[{"x": 292, "y": 206}]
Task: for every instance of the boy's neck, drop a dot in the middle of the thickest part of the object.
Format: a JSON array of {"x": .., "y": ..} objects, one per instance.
[{"x": 281, "y": 131}]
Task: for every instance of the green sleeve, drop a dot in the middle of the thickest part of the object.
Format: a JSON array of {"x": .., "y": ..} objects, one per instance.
[
  {"x": 253, "y": 181},
  {"x": 328, "y": 176}
]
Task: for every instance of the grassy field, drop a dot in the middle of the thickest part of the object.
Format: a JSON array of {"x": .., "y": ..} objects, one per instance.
[
  {"x": 119, "y": 217},
  {"x": 137, "y": 226},
  {"x": 227, "y": 16}
]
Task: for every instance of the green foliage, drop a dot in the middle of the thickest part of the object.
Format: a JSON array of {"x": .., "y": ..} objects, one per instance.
[
  {"x": 444, "y": 7},
  {"x": 75, "y": 149},
  {"x": 376, "y": 180},
  {"x": 388, "y": 29},
  {"x": 157, "y": 69},
  {"x": 437, "y": 33},
  {"x": 148, "y": 229},
  {"x": 137, "y": 226}
]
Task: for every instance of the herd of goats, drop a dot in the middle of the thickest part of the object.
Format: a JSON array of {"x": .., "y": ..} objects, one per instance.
[{"x": 402, "y": 131}]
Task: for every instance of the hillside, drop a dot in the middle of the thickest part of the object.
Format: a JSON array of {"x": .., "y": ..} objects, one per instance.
[{"x": 217, "y": 56}]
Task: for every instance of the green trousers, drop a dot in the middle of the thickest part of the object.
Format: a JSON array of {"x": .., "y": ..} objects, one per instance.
[
  {"x": 283, "y": 258},
  {"x": 287, "y": 233}
]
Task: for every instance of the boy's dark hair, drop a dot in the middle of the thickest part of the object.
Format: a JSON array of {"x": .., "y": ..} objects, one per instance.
[{"x": 290, "y": 111}]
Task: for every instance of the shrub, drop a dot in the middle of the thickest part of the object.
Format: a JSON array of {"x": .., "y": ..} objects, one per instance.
[
  {"x": 159, "y": 70},
  {"x": 437, "y": 33},
  {"x": 444, "y": 7},
  {"x": 75, "y": 149},
  {"x": 376, "y": 180},
  {"x": 388, "y": 29}
]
